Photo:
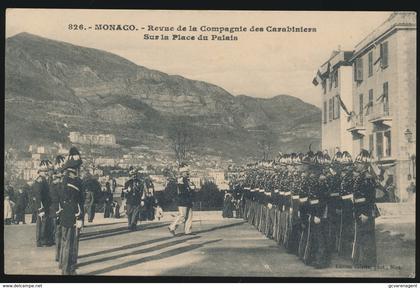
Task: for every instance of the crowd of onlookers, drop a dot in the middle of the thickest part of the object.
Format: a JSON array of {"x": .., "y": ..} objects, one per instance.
[{"x": 19, "y": 202}]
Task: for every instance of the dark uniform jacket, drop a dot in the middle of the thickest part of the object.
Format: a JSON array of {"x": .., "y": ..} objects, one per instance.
[
  {"x": 135, "y": 191},
  {"x": 71, "y": 202},
  {"x": 55, "y": 193},
  {"x": 185, "y": 192},
  {"x": 40, "y": 191},
  {"x": 21, "y": 201}
]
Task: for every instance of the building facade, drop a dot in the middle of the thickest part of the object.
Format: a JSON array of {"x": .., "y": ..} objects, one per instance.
[
  {"x": 382, "y": 119},
  {"x": 95, "y": 139},
  {"x": 334, "y": 78}
]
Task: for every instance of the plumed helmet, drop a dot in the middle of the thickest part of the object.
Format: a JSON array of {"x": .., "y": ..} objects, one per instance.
[
  {"x": 184, "y": 167},
  {"x": 346, "y": 158},
  {"x": 59, "y": 161},
  {"x": 337, "y": 157},
  {"x": 45, "y": 165},
  {"x": 132, "y": 171},
  {"x": 74, "y": 161},
  {"x": 363, "y": 157}
]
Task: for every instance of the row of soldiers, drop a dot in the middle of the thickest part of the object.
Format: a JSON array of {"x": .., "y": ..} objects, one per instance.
[
  {"x": 59, "y": 202},
  {"x": 314, "y": 206},
  {"x": 62, "y": 199}
]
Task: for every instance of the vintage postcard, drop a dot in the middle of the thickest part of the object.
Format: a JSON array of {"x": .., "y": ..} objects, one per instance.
[{"x": 210, "y": 143}]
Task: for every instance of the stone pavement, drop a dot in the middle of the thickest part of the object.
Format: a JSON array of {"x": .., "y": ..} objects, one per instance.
[{"x": 220, "y": 247}]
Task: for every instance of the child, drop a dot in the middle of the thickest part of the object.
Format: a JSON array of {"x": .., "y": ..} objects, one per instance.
[{"x": 8, "y": 210}]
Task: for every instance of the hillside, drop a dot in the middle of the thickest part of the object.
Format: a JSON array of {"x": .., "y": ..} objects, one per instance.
[{"x": 49, "y": 83}]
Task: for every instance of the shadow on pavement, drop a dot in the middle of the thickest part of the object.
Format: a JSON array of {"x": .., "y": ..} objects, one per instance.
[
  {"x": 160, "y": 256},
  {"x": 220, "y": 227},
  {"x": 116, "y": 231},
  {"x": 103, "y": 224},
  {"x": 136, "y": 252},
  {"x": 151, "y": 241}
]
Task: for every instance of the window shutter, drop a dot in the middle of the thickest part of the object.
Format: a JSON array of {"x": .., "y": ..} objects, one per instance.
[
  {"x": 337, "y": 98},
  {"x": 359, "y": 69},
  {"x": 384, "y": 54},
  {"x": 379, "y": 145},
  {"x": 330, "y": 109},
  {"x": 325, "y": 112}
]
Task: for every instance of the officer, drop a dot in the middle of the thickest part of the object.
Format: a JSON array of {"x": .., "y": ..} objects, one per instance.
[
  {"x": 42, "y": 203},
  {"x": 71, "y": 213},
  {"x": 150, "y": 201},
  {"x": 185, "y": 190},
  {"x": 134, "y": 192}
]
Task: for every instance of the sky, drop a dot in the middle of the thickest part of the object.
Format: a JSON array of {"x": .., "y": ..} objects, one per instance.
[{"x": 258, "y": 64}]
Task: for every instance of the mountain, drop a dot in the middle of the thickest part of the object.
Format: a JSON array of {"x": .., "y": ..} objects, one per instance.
[{"x": 50, "y": 82}]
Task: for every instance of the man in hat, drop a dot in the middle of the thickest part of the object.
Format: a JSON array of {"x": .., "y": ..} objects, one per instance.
[
  {"x": 21, "y": 204},
  {"x": 42, "y": 202},
  {"x": 134, "y": 193},
  {"x": 185, "y": 190},
  {"x": 365, "y": 212},
  {"x": 71, "y": 213},
  {"x": 92, "y": 189},
  {"x": 346, "y": 230},
  {"x": 55, "y": 193}
]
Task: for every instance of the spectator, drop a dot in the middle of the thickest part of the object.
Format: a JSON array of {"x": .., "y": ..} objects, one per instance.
[
  {"x": 21, "y": 204},
  {"x": 8, "y": 210},
  {"x": 108, "y": 199}
]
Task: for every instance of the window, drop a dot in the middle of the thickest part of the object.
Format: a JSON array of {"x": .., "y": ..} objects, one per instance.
[
  {"x": 335, "y": 77},
  {"x": 387, "y": 143},
  {"x": 385, "y": 99},
  {"x": 330, "y": 109},
  {"x": 379, "y": 145},
  {"x": 336, "y": 105},
  {"x": 384, "y": 55},
  {"x": 370, "y": 102},
  {"x": 361, "y": 104},
  {"x": 370, "y": 60},
  {"x": 325, "y": 112},
  {"x": 358, "y": 71},
  {"x": 371, "y": 143},
  {"x": 330, "y": 82},
  {"x": 324, "y": 85},
  {"x": 361, "y": 109}
]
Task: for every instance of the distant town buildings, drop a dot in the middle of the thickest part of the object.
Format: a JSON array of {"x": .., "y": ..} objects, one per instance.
[
  {"x": 94, "y": 139},
  {"x": 380, "y": 115}
]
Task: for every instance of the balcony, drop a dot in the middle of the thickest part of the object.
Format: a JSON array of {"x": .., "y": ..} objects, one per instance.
[
  {"x": 356, "y": 125},
  {"x": 380, "y": 113}
]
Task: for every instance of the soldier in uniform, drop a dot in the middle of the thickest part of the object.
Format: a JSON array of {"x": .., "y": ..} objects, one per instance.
[
  {"x": 134, "y": 193},
  {"x": 55, "y": 194},
  {"x": 150, "y": 201},
  {"x": 293, "y": 180},
  {"x": 185, "y": 190},
  {"x": 365, "y": 212},
  {"x": 42, "y": 204},
  {"x": 316, "y": 252},
  {"x": 71, "y": 213},
  {"x": 346, "y": 230},
  {"x": 304, "y": 205}
]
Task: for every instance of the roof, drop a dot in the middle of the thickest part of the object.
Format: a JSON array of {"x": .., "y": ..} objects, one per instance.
[{"x": 397, "y": 20}]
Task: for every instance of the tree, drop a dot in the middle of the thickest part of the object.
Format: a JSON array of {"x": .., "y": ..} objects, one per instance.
[
  {"x": 266, "y": 143},
  {"x": 181, "y": 135},
  {"x": 210, "y": 196}
]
